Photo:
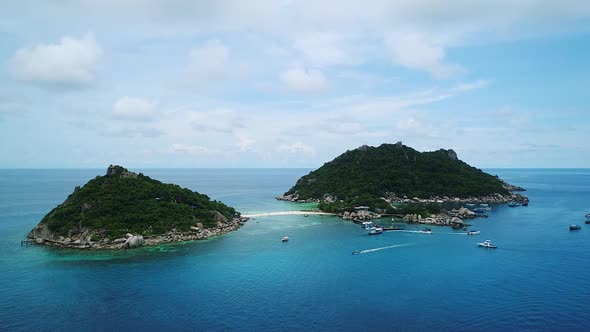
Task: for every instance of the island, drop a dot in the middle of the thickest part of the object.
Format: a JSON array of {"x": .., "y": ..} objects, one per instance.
[
  {"x": 123, "y": 209},
  {"x": 424, "y": 187}
]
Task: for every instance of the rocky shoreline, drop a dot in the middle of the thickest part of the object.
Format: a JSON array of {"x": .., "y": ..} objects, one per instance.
[
  {"x": 454, "y": 217},
  {"x": 491, "y": 199},
  {"x": 84, "y": 240}
]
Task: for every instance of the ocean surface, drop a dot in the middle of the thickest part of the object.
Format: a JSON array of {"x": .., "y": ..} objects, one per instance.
[{"x": 537, "y": 280}]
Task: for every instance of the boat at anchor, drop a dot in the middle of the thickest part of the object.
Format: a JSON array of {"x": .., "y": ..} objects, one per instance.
[{"x": 487, "y": 244}]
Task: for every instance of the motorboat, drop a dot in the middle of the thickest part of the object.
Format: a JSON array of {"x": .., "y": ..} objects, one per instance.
[
  {"x": 482, "y": 204},
  {"x": 513, "y": 204},
  {"x": 587, "y": 216},
  {"x": 479, "y": 210},
  {"x": 487, "y": 244},
  {"x": 367, "y": 224},
  {"x": 587, "y": 222},
  {"x": 285, "y": 239},
  {"x": 374, "y": 230},
  {"x": 425, "y": 231},
  {"x": 306, "y": 215},
  {"x": 574, "y": 227},
  {"x": 473, "y": 233},
  {"x": 356, "y": 252},
  {"x": 469, "y": 204}
]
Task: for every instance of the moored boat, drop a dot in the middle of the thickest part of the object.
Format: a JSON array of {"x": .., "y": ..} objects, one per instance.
[
  {"x": 574, "y": 227},
  {"x": 285, "y": 239},
  {"x": 367, "y": 224},
  {"x": 587, "y": 222},
  {"x": 374, "y": 230},
  {"x": 513, "y": 204},
  {"x": 587, "y": 216},
  {"x": 487, "y": 244}
]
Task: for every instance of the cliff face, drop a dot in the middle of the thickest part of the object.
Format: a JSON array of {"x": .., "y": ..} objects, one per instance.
[
  {"x": 122, "y": 205},
  {"x": 396, "y": 170}
]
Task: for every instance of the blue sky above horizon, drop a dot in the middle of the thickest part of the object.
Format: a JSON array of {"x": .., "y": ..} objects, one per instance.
[{"x": 149, "y": 84}]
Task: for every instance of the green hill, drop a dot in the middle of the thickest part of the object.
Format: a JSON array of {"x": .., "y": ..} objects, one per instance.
[
  {"x": 123, "y": 202},
  {"x": 368, "y": 173}
]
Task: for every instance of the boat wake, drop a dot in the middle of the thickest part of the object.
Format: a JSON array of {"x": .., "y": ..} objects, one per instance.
[{"x": 366, "y": 251}]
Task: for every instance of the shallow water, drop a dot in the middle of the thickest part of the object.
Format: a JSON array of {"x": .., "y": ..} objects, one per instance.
[{"x": 249, "y": 280}]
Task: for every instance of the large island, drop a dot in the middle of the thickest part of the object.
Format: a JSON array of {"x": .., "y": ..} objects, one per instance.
[
  {"x": 396, "y": 179},
  {"x": 123, "y": 209}
]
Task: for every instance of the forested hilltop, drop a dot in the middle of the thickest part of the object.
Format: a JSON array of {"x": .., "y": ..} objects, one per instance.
[
  {"x": 122, "y": 202},
  {"x": 367, "y": 174}
]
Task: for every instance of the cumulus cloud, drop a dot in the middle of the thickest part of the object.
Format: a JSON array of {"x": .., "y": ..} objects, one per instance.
[
  {"x": 298, "y": 148},
  {"x": 415, "y": 51},
  {"x": 134, "y": 109},
  {"x": 71, "y": 61},
  {"x": 304, "y": 80}
]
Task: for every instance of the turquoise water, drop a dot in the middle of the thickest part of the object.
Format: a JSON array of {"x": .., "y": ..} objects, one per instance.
[{"x": 538, "y": 278}]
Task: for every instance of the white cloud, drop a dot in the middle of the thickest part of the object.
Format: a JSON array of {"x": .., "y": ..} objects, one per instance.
[
  {"x": 328, "y": 48},
  {"x": 134, "y": 109},
  {"x": 245, "y": 143},
  {"x": 298, "y": 148},
  {"x": 70, "y": 62},
  {"x": 208, "y": 62},
  {"x": 415, "y": 51},
  {"x": 194, "y": 150},
  {"x": 304, "y": 80}
]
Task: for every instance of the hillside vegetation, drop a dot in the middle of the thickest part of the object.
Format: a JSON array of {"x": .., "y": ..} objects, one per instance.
[
  {"x": 123, "y": 202},
  {"x": 363, "y": 175}
]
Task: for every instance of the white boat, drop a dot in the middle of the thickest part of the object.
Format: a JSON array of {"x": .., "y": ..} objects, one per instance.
[
  {"x": 425, "y": 231},
  {"x": 367, "y": 225},
  {"x": 487, "y": 244},
  {"x": 374, "y": 230},
  {"x": 285, "y": 239},
  {"x": 473, "y": 233},
  {"x": 482, "y": 204}
]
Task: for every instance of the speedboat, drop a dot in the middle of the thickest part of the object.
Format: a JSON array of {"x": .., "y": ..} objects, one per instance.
[
  {"x": 487, "y": 244},
  {"x": 482, "y": 204},
  {"x": 367, "y": 225},
  {"x": 513, "y": 204},
  {"x": 587, "y": 222},
  {"x": 425, "y": 231},
  {"x": 574, "y": 227},
  {"x": 469, "y": 204},
  {"x": 374, "y": 230},
  {"x": 306, "y": 215},
  {"x": 356, "y": 252},
  {"x": 285, "y": 239},
  {"x": 587, "y": 216},
  {"x": 473, "y": 233}
]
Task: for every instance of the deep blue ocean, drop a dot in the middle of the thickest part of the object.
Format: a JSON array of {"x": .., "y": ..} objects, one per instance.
[{"x": 537, "y": 280}]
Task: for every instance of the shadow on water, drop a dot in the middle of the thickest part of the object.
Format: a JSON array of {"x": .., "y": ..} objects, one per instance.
[{"x": 77, "y": 257}]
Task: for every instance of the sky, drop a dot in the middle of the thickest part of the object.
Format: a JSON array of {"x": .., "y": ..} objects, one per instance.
[{"x": 278, "y": 83}]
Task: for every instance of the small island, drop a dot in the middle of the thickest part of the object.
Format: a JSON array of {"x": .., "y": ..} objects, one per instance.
[
  {"x": 394, "y": 179},
  {"x": 123, "y": 209}
]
